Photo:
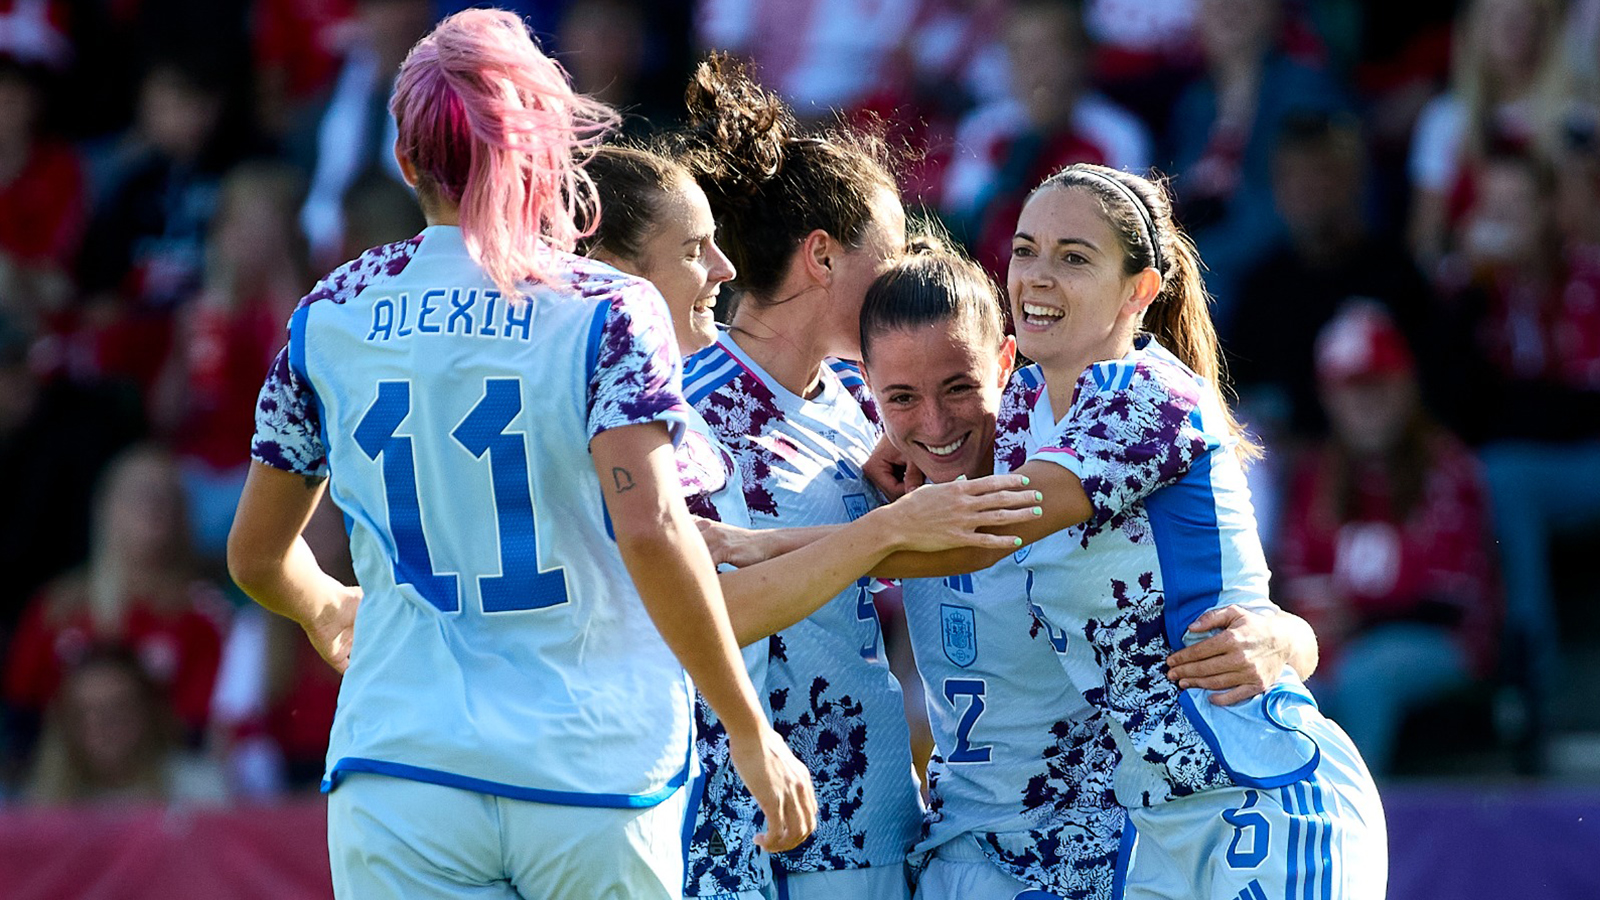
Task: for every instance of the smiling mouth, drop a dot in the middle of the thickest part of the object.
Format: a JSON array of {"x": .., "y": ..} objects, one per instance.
[
  {"x": 705, "y": 304},
  {"x": 1041, "y": 316},
  {"x": 947, "y": 449}
]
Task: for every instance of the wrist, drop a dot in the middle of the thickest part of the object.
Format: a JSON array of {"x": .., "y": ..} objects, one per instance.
[{"x": 886, "y": 534}]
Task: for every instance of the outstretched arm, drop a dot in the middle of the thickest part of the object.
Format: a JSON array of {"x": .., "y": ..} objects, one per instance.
[
  {"x": 272, "y": 563},
  {"x": 677, "y": 582},
  {"x": 815, "y": 564}
]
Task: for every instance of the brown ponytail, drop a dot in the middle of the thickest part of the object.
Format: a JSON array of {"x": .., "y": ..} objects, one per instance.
[{"x": 1180, "y": 316}]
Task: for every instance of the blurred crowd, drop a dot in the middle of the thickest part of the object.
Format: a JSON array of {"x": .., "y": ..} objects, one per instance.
[{"x": 1399, "y": 206}]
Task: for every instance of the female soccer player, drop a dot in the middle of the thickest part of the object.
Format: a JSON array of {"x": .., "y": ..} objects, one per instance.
[
  {"x": 1021, "y": 790},
  {"x": 497, "y": 418},
  {"x": 657, "y": 224},
  {"x": 1147, "y": 523},
  {"x": 811, "y": 219}
]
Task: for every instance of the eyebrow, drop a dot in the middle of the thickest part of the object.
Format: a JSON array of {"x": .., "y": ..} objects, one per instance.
[
  {"x": 1063, "y": 242},
  {"x": 962, "y": 376},
  {"x": 695, "y": 239}
]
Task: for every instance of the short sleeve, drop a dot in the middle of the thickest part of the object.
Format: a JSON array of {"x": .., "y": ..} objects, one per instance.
[
  {"x": 635, "y": 371},
  {"x": 1133, "y": 428},
  {"x": 288, "y": 423}
]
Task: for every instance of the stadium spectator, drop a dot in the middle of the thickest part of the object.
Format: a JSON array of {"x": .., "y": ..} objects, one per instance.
[
  {"x": 138, "y": 590},
  {"x": 356, "y": 133},
  {"x": 1526, "y": 362},
  {"x": 42, "y": 192},
  {"x": 1051, "y": 119},
  {"x": 1327, "y": 254},
  {"x": 1504, "y": 94},
  {"x": 295, "y": 48},
  {"x": 255, "y": 272},
  {"x": 1385, "y": 544},
  {"x": 61, "y": 434},
  {"x": 1222, "y": 131},
  {"x": 110, "y": 738},
  {"x": 818, "y": 55}
]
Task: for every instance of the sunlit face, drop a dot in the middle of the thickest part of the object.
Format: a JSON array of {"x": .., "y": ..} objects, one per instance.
[
  {"x": 106, "y": 714},
  {"x": 883, "y": 241},
  {"x": 1370, "y": 414},
  {"x": 682, "y": 259},
  {"x": 1070, "y": 300},
  {"x": 938, "y": 391}
]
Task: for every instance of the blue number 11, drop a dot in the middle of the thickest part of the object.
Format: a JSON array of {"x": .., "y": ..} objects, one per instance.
[{"x": 520, "y": 585}]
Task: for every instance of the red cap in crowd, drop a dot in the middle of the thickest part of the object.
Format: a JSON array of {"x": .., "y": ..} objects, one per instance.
[{"x": 1362, "y": 341}]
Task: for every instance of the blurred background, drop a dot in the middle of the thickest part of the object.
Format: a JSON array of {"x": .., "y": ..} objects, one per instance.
[{"x": 1399, "y": 204}]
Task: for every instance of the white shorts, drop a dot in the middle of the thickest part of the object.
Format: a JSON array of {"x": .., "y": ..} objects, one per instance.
[
  {"x": 1322, "y": 838},
  {"x": 393, "y": 837},
  {"x": 874, "y": 883},
  {"x": 959, "y": 870}
]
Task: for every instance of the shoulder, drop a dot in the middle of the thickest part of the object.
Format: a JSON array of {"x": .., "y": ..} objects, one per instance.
[
  {"x": 849, "y": 375},
  {"x": 371, "y": 267}
]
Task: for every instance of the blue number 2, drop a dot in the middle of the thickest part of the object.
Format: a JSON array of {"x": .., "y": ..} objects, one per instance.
[
  {"x": 520, "y": 585},
  {"x": 974, "y": 688}
]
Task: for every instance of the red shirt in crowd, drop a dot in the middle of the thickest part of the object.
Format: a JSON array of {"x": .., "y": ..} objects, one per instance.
[
  {"x": 1434, "y": 566},
  {"x": 180, "y": 649}
]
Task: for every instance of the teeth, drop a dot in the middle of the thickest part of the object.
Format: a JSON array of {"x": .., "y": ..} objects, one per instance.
[
  {"x": 947, "y": 449},
  {"x": 1033, "y": 310}
]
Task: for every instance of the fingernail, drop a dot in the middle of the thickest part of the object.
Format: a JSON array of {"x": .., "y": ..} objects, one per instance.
[
  {"x": 1038, "y": 511},
  {"x": 961, "y": 478},
  {"x": 1038, "y": 496},
  {"x": 1016, "y": 542},
  {"x": 1024, "y": 481}
]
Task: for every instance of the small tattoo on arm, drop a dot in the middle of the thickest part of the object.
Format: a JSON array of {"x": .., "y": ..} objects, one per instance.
[{"x": 623, "y": 478}]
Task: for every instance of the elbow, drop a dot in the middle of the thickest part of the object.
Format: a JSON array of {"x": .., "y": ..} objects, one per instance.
[{"x": 245, "y": 567}]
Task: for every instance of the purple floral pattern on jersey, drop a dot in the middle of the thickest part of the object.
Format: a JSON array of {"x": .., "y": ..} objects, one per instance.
[
  {"x": 703, "y": 470},
  {"x": 723, "y": 856},
  {"x": 638, "y": 375},
  {"x": 1131, "y": 441},
  {"x": 741, "y": 413},
  {"x": 828, "y": 734},
  {"x": 288, "y": 424},
  {"x": 1012, "y": 423}
]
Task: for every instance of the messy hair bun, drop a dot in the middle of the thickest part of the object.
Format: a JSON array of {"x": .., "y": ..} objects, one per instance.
[{"x": 769, "y": 180}]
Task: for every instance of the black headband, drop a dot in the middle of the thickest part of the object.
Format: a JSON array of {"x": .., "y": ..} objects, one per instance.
[{"x": 1144, "y": 214}]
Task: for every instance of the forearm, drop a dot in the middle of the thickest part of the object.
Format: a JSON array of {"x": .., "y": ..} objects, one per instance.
[
  {"x": 1302, "y": 639},
  {"x": 292, "y": 585},
  {"x": 770, "y": 596}
]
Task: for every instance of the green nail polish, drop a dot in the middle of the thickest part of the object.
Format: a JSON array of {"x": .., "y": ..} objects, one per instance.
[
  {"x": 1016, "y": 542},
  {"x": 1038, "y": 496},
  {"x": 1024, "y": 481},
  {"x": 1038, "y": 511}
]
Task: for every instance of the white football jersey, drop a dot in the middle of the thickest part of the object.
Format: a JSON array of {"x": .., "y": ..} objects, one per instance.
[
  {"x": 832, "y": 695},
  {"x": 500, "y": 644}
]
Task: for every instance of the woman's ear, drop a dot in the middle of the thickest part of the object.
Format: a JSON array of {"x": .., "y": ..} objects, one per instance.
[
  {"x": 1008, "y": 359},
  {"x": 817, "y": 253},
  {"x": 1146, "y": 287},
  {"x": 408, "y": 169}
]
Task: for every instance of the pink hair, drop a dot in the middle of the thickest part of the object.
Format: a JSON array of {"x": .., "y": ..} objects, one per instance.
[{"x": 494, "y": 125}]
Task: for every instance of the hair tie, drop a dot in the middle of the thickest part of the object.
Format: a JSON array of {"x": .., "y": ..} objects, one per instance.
[{"x": 1144, "y": 214}]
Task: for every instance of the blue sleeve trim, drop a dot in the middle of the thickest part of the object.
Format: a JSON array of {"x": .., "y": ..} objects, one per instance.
[
  {"x": 1244, "y": 779},
  {"x": 591, "y": 357},
  {"x": 515, "y": 792},
  {"x": 1130, "y": 840},
  {"x": 297, "y": 342}
]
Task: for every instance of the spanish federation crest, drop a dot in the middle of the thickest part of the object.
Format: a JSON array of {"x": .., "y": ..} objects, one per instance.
[
  {"x": 957, "y": 625},
  {"x": 856, "y": 506}
]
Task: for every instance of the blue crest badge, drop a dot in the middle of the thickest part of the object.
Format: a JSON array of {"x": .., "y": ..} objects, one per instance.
[
  {"x": 958, "y": 626},
  {"x": 1021, "y": 556},
  {"x": 856, "y": 506}
]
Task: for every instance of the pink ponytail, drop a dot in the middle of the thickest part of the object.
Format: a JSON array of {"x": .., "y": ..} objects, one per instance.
[{"x": 492, "y": 125}]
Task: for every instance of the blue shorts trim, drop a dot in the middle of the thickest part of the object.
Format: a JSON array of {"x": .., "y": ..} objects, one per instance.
[
  {"x": 1119, "y": 880},
  {"x": 514, "y": 792}
]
